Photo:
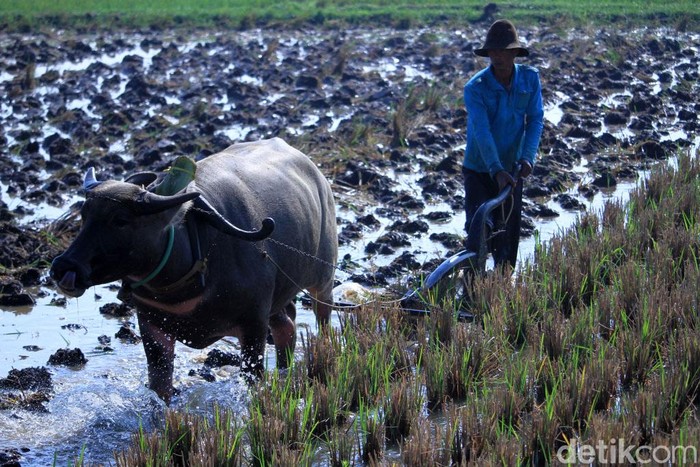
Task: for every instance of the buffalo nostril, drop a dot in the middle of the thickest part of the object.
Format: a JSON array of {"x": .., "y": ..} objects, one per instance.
[{"x": 68, "y": 281}]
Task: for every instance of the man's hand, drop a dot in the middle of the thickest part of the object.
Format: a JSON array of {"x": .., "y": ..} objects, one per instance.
[
  {"x": 503, "y": 178},
  {"x": 525, "y": 168}
]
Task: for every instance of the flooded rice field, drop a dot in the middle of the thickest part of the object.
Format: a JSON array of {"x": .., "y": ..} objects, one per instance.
[{"x": 380, "y": 113}]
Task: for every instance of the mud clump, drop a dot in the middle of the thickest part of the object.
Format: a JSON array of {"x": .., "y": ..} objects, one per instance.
[
  {"x": 117, "y": 310},
  {"x": 68, "y": 357},
  {"x": 28, "y": 379},
  {"x": 27, "y": 389},
  {"x": 11, "y": 457},
  {"x": 128, "y": 335},
  {"x": 215, "y": 359},
  {"x": 12, "y": 293}
]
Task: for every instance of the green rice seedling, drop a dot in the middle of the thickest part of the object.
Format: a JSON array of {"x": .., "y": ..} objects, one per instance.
[
  {"x": 77, "y": 462},
  {"x": 222, "y": 444},
  {"x": 629, "y": 283},
  {"x": 370, "y": 434},
  {"x": 679, "y": 378},
  {"x": 330, "y": 406},
  {"x": 424, "y": 446},
  {"x": 401, "y": 407},
  {"x": 607, "y": 315},
  {"x": 378, "y": 370},
  {"x": 604, "y": 376},
  {"x": 639, "y": 342},
  {"x": 518, "y": 377},
  {"x": 432, "y": 365},
  {"x": 551, "y": 336},
  {"x": 543, "y": 435},
  {"x": 284, "y": 454},
  {"x": 604, "y": 427},
  {"x": 548, "y": 381},
  {"x": 402, "y": 356},
  {"x": 263, "y": 433},
  {"x": 433, "y": 97},
  {"x": 472, "y": 430},
  {"x": 613, "y": 217},
  {"x": 581, "y": 391},
  {"x": 341, "y": 447},
  {"x": 645, "y": 410},
  {"x": 179, "y": 436},
  {"x": 361, "y": 133},
  {"x": 281, "y": 417},
  {"x": 508, "y": 323},
  {"x": 470, "y": 359},
  {"x": 581, "y": 335},
  {"x": 443, "y": 295},
  {"x": 507, "y": 406},
  {"x": 171, "y": 446},
  {"x": 506, "y": 450},
  {"x": 441, "y": 322},
  {"x": 320, "y": 353},
  {"x": 374, "y": 355},
  {"x": 351, "y": 374},
  {"x": 685, "y": 441}
]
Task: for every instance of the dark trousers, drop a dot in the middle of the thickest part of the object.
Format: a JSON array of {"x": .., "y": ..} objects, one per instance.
[{"x": 504, "y": 221}]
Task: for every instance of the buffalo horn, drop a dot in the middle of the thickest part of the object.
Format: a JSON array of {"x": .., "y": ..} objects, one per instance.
[
  {"x": 151, "y": 203},
  {"x": 214, "y": 218}
]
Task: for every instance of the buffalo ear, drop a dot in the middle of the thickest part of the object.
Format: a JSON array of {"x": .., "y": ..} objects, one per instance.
[
  {"x": 89, "y": 180},
  {"x": 151, "y": 203}
]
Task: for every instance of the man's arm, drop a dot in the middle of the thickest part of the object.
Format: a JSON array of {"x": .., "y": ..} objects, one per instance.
[
  {"x": 534, "y": 122},
  {"x": 479, "y": 124}
]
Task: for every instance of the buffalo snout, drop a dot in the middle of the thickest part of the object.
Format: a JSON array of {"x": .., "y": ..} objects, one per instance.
[{"x": 70, "y": 277}]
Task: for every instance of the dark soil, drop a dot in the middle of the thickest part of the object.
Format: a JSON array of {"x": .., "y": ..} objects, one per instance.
[
  {"x": 28, "y": 389},
  {"x": 68, "y": 357}
]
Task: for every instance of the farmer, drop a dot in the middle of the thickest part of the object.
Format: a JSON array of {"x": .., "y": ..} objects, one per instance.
[{"x": 504, "y": 124}]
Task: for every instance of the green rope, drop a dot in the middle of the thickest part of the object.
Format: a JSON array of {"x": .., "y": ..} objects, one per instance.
[{"x": 166, "y": 257}]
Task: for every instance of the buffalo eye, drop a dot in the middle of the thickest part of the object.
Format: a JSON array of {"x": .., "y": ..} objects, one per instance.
[{"x": 121, "y": 221}]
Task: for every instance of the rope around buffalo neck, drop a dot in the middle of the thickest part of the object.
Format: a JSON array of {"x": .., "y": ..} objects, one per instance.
[{"x": 163, "y": 261}]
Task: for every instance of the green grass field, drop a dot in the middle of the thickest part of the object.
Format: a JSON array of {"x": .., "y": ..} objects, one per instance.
[{"x": 132, "y": 13}]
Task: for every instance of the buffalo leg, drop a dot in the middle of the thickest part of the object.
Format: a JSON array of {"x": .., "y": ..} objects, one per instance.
[
  {"x": 253, "y": 341},
  {"x": 160, "y": 355},
  {"x": 323, "y": 304},
  {"x": 283, "y": 332}
]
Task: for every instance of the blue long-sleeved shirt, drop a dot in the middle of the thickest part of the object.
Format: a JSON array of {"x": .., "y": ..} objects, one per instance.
[{"x": 503, "y": 126}]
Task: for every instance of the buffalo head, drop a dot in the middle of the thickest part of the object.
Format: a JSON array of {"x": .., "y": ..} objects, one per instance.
[{"x": 121, "y": 225}]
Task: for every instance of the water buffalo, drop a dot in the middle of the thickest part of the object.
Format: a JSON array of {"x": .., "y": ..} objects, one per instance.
[{"x": 189, "y": 266}]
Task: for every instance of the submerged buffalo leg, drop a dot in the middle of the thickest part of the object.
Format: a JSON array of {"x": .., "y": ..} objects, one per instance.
[
  {"x": 253, "y": 340},
  {"x": 322, "y": 304},
  {"x": 283, "y": 332},
  {"x": 160, "y": 355}
]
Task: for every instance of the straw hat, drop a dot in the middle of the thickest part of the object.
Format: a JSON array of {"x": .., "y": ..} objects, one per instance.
[{"x": 501, "y": 36}]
